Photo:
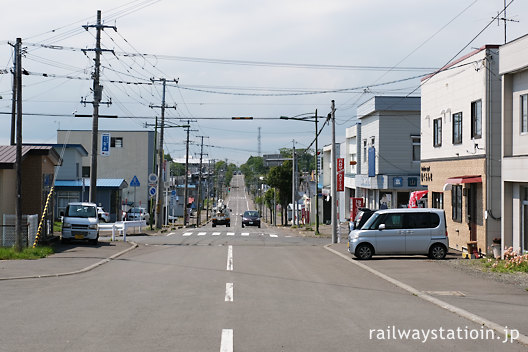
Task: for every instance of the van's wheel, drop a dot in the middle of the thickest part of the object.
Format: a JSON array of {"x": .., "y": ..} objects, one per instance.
[
  {"x": 214, "y": 224},
  {"x": 437, "y": 251},
  {"x": 364, "y": 251}
]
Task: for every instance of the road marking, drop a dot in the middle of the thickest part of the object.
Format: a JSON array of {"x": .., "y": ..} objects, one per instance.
[
  {"x": 170, "y": 234},
  {"x": 230, "y": 258},
  {"x": 229, "y": 292},
  {"x": 244, "y": 234},
  {"x": 187, "y": 234},
  {"x": 273, "y": 235},
  {"x": 216, "y": 233},
  {"x": 226, "y": 344},
  {"x": 444, "y": 305},
  {"x": 230, "y": 233},
  {"x": 202, "y": 233}
]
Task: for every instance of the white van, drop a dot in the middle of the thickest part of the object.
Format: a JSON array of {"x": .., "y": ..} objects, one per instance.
[
  {"x": 80, "y": 222},
  {"x": 401, "y": 231}
]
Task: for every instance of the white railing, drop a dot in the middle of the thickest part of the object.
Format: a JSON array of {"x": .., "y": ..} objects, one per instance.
[{"x": 122, "y": 227}]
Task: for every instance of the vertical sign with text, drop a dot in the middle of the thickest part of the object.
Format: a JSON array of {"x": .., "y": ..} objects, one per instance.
[
  {"x": 340, "y": 174},
  {"x": 105, "y": 144}
]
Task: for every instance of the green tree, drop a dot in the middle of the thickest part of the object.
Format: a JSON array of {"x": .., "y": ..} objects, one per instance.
[{"x": 280, "y": 177}]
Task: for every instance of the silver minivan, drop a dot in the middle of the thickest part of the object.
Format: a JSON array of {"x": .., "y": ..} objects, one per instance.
[{"x": 401, "y": 231}]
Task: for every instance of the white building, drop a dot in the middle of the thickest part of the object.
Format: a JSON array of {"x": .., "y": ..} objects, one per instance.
[
  {"x": 461, "y": 147},
  {"x": 514, "y": 70},
  {"x": 131, "y": 154},
  {"x": 388, "y": 155}
]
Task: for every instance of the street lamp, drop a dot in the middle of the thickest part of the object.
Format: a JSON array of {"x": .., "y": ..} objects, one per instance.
[{"x": 308, "y": 117}]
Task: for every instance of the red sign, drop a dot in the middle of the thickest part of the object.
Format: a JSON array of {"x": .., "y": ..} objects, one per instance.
[
  {"x": 356, "y": 203},
  {"x": 340, "y": 174}
]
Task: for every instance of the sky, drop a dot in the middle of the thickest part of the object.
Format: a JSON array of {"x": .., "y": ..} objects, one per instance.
[{"x": 231, "y": 58}]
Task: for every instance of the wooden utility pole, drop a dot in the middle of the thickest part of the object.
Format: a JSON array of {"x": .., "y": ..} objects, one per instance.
[
  {"x": 334, "y": 176},
  {"x": 186, "y": 190},
  {"x": 18, "y": 162},
  {"x": 199, "y": 202},
  {"x": 97, "y": 95}
]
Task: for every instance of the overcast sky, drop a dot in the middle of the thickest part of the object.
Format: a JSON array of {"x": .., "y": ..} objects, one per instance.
[{"x": 228, "y": 56}]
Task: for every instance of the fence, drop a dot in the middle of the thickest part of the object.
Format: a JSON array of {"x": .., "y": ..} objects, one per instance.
[{"x": 8, "y": 230}]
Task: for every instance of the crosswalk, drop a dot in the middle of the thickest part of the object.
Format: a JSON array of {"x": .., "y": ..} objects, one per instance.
[{"x": 216, "y": 234}]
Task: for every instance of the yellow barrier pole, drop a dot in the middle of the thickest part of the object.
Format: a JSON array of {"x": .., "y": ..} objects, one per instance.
[{"x": 42, "y": 218}]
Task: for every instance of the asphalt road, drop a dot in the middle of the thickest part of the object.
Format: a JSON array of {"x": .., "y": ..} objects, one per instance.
[{"x": 228, "y": 289}]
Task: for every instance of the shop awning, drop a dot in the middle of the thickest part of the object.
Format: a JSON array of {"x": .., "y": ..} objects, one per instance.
[{"x": 464, "y": 179}]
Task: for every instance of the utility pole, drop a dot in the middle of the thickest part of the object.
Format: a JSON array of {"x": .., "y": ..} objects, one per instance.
[
  {"x": 208, "y": 189},
  {"x": 161, "y": 156},
  {"x": 334, "y": 177},
  {"x": 186, "y": 190},
  {"x": 18, "y": 162},
  {"x": 97, "y": 94},
  {"x": 294, "y": 190},
  {"x": 316, "y": 178},
  {"x": 199, "y": 202}
]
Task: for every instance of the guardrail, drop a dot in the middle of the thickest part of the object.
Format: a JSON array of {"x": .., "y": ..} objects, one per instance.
[{"x": 122, "y": 227}]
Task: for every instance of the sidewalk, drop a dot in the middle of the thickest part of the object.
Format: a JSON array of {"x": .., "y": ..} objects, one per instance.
[{"x": 68, "y": 259}]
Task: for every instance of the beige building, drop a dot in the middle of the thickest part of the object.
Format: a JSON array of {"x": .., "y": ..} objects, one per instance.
[
  {"x": 460, "y": 149},
  {"x": 514, "y": 71}
]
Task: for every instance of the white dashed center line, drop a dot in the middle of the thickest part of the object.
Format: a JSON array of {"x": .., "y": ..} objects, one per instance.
[
  {"x": 230, "y": 258},
  {"x": 226, "y": 344},
  {"x": 229, "y": 292}
]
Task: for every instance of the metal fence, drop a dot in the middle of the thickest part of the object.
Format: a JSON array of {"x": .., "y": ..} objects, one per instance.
[{"x": 8, "y": 230}]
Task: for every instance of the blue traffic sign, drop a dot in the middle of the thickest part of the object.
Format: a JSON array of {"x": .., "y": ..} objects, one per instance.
[{"x": 134, "y": 182}]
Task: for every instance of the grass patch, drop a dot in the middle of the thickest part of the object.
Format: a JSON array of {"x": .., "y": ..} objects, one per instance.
[
  {"x": 27, "y": 253},
  {"x": 57, "y": 226},
  {"x": 512, "y": 262}
]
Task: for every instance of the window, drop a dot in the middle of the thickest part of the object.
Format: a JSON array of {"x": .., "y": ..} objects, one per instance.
[
  {"x": 421, "y": 220},
  {"x": 365, "y": 150},
  {"x": 391, "y": 221},
  {"x": 85, "y": 171},
  {"x": 415, "y": 148},
  {"x": 457, "y": 128},
  {"x": 438, "y": 200},
  {"x": 476, "y": 119},
  {"x": 524, "y": 113},
  {"x": 456, "y": 203},
  {"x": 437, "y": 132},
  {"x": 116, "y": 142}
]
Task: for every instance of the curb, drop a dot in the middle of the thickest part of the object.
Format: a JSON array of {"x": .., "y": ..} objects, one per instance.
[
  {"x": 523, "y": 339},
  {"x": 88, "y": 268}
]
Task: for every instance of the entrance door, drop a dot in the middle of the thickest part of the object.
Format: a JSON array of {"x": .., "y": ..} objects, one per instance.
[{"x": 472, "y": 211}]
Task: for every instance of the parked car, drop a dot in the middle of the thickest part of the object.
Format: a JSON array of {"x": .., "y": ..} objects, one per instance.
[
  {"x": 137, "y": 213},
  {"x": 80, "y": 222},
  {"x": 103, "y": 215},
  {"x": 251, "y": 218},
  {"x": 401, "y": 231},
  {"x": 362, "y": 216}
]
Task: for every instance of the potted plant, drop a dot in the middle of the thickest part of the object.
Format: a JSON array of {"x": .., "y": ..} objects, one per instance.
[{"x": 496, "y": 246}]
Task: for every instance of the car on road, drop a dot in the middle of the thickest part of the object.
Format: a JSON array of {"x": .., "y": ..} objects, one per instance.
[
  {"x": 221, "y": 214},
  {"x": 251, "y": 218},
  {"x": 137, "y": 213},
  {"x": 80, "y": 222},
  {"x": 103, "y": 215},
  {"x": 401, "y": 231}
]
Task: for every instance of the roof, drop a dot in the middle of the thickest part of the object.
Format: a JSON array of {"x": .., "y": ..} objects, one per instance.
[
  {"x": 8, "y": 154},
  {"x": 58, "y": 147},
  {"x": 389, "y": 103},
  {"x": 101, "y": 183}
]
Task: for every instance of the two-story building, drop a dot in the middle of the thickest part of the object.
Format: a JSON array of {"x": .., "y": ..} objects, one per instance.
[
  {"x": 513, "y": 68},
  {"x": 461, "y": 146},
  {"x": 388, "y": 155}
]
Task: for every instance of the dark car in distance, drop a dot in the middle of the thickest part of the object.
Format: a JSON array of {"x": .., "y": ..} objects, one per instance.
[
  {"x": 362, "y": 216},
  {"x": 251, "y": 218}
]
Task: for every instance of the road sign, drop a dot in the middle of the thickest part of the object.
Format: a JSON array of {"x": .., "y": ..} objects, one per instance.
[
  {"x": 134, "y": 182},
  {"x": 340, "y": 174},
  {"x": 152, "y": 191},
  {"x": 152, "y": 179},
  {"x": 105, "y": 144}
]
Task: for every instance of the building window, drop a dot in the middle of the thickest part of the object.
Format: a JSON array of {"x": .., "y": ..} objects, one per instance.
[
  {"x": 116, "y": 142},
  {"x": 457, "y": 128},
  {"x": 438, "y": 200},
  {"x": 437, "y": 132},
  {"x": 476, "y": 119},
  {"x": 415, "y": 148},
  {"x": 85, "y": 171},
  {"x": 365, "y": 150},
  {"x": 77, "y": 170},
  {"x": 524, "y": 113},
  {"x": 456, "y": 203}
]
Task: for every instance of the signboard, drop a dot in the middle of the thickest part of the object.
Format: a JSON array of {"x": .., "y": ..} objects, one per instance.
[
  {"x": 397, "y": 181},
  {"x": 340, "y": 174},
  {"x": 355, "y": 204},
  {"x": 152, "y": 192},
  {"x": 105, "y": 144},
  {"x": 152, "y": 179},
  {"x": 134, "y": 182}
]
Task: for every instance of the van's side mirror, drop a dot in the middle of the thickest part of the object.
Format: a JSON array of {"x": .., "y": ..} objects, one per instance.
[{"x": 381, "y": 227}]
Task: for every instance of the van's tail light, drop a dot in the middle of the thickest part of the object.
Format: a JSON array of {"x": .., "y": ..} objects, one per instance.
[{"x": 447, "y": 233}]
